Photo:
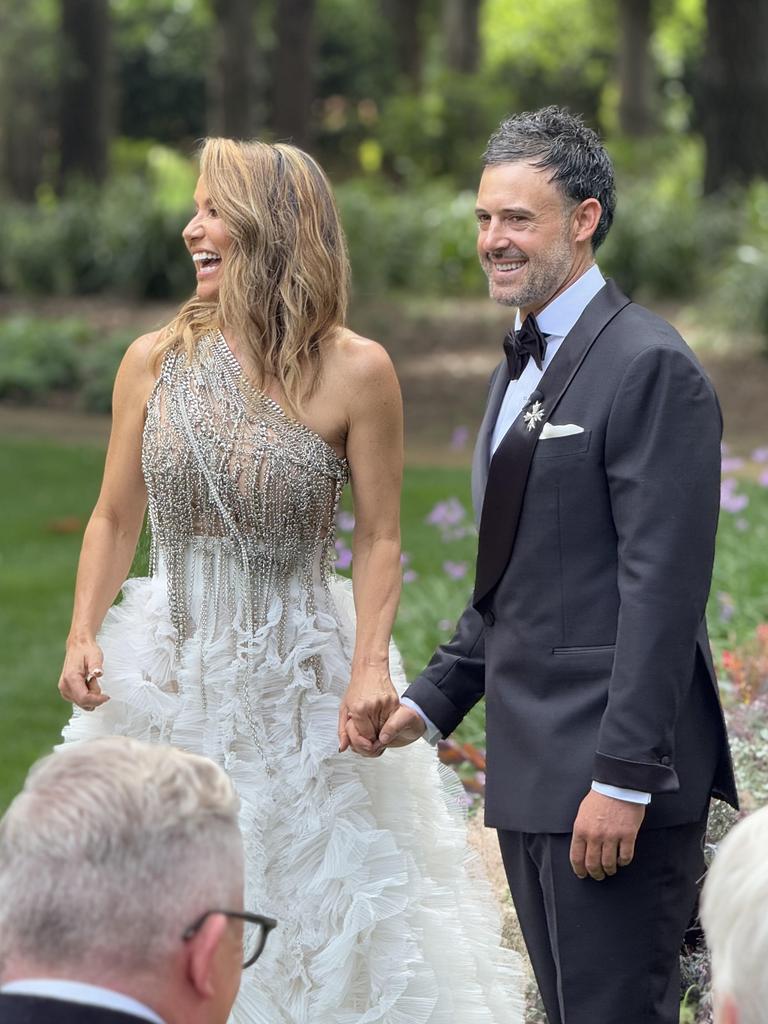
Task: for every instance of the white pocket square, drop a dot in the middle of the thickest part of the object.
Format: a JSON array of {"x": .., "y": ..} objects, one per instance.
[{"x": 565, "y": 430}]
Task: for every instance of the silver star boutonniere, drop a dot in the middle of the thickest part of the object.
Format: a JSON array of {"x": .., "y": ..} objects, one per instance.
[{"x": 535, "y": 415}]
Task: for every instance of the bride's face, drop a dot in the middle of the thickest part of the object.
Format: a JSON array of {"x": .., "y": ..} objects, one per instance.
[{"x": 207, "y": 239}]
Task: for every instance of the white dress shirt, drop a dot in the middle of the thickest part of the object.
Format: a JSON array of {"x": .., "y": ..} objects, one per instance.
[
  {"x": 556, "y": 320},
  {"x": 79, "y": 992}
]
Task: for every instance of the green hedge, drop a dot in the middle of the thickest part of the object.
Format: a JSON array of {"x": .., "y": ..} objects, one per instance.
[
  {"x": 666, "y": 242},
  {"x": 39, "y": 357}
]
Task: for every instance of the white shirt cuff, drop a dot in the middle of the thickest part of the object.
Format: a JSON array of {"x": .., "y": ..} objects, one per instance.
[
  {"x": 433, "y": 734},
  {"x": 632, "y": 796}
]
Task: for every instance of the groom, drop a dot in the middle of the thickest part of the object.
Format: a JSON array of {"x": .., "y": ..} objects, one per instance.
[{"x": 597, "y": 481}]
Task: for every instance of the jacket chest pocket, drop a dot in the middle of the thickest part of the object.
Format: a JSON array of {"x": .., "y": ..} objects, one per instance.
[{"x": 557, "y": 447}]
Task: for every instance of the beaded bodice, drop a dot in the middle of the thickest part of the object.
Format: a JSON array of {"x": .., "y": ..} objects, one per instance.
[{"x": 228, "y": 471}]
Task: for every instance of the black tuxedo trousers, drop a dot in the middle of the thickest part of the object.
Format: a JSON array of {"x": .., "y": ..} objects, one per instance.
[{"x": 586, "y": 633}]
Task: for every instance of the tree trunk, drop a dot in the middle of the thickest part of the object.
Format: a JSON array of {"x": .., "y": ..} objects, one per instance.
[
  {"x": 84, "y": 90},
  {"x": 635, "y": 67},
  {"x": 231, "y": 82},
  {"x": 734, "y": 92},
  {"x": 461, "y": 31},
  {"x": 293, "y": 73},
  {"x": 405, "y": 19}
]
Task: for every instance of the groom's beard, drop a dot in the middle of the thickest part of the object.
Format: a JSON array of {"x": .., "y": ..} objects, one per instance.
[{"x": 536, "y": 282}]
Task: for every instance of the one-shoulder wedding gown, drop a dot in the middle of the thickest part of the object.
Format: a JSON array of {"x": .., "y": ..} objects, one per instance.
[{"x": 238, "y": 646}]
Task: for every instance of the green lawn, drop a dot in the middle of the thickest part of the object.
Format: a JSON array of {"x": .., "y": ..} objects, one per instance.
[{"x": 50, "y": 488}]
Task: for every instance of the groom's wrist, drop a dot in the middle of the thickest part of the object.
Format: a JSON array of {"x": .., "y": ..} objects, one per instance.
[
  {"x": 633, "y": 796},
  {"x": 432, "y": 734}
]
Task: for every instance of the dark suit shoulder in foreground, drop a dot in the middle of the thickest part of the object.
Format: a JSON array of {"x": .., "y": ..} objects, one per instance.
[{"x": 18, "y": 1009}]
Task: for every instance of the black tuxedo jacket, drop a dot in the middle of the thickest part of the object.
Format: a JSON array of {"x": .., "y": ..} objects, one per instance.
[
  {"x": 18, "y": 1009},
  {"x": 586, "y": 632}
]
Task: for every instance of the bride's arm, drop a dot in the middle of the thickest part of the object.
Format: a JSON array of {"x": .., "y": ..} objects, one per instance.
[
  {"x": 374, "y": 449},
  {"x": 110, "y": 538}
]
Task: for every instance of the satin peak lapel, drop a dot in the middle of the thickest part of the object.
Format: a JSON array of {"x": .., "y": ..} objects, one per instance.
[
  {"x": 481, "y": 457},
  {"x": 511, "y": 462}
]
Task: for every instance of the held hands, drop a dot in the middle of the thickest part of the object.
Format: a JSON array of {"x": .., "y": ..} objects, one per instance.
[
  {"x": 372, "y": 719},
  {"x": 79, "y": 681},
  {"x": 368, "y": 703},
  {"x": 604, "y": 835}
]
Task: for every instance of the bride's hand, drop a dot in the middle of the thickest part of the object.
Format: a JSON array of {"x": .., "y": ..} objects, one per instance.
[
  {"x": 368, "y": 703},
  {"x": 79, "y": 681}
]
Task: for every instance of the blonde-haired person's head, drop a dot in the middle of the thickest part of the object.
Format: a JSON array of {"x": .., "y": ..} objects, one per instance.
[
  {"x": 284, "y": 282},
  {"x": 734, "y": 913}
]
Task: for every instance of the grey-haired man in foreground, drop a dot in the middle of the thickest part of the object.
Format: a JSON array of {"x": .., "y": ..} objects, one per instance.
[{"x": 121, "y": 890}]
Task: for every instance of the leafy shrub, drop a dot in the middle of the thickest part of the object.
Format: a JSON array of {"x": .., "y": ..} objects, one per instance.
[
  {"x": 420, "y": 241},
  {"x": 39, "y": 356},
  {"x": 98, "y": 367},
  {"x": 665, "y": 243},
  {"x": 741, "y": 286},
  {"x": 124, "y": 237}
]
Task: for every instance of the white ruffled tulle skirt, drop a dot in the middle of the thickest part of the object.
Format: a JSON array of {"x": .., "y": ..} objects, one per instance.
[{"x": 383, "y": 913}]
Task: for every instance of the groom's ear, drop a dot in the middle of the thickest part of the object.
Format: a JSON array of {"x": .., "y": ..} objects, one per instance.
[{"x": 586, "y": 217}]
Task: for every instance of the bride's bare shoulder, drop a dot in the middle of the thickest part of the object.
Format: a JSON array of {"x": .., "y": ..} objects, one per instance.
[
  {"x": 137, "y": 374},
  {"x": 360, "y": 363}
]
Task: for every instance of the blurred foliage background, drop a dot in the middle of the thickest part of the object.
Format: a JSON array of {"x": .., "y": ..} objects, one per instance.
[{"x": 102, "y": 102}]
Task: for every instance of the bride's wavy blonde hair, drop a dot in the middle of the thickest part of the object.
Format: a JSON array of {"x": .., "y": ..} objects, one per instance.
[{"x": 284, "y": 281}]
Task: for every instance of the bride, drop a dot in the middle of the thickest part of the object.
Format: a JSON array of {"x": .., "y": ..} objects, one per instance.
[{"x": 239, "y": 424}]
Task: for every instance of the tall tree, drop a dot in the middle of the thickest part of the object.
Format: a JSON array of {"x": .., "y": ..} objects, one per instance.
[
  {"x": 231, "y": 82},
  {"x": 733, "y": 92},
  {"x": 84, "y": 93},
  {"x": 292, "y": 76},
  {"x": 27, "y": 88},
  {"x": 635, "y": 67},
  {"x": 405, "y": 18},
  {"x": 461, "y": 32}
]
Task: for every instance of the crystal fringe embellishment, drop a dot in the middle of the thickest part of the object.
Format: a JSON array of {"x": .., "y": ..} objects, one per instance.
[{"x": 226, "y": 466}]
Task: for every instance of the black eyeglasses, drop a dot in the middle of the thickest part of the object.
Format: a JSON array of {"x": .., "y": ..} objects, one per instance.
[{"x": 256, "y": 928}]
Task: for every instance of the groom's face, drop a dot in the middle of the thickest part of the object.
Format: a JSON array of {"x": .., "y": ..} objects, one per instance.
[{"x": 525, "y": 237}]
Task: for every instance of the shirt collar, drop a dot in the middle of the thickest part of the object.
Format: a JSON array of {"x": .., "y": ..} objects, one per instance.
[
  {"x": 562, "y": 313},
  {"x": 79, "y": 992}
]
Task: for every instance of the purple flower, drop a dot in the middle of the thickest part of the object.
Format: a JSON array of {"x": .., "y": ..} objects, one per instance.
[
  {"x": 729, "y": 500},
  {"x": 732, "y": 464},
  {"x": 763, "y": 478},
  {"x": 343, "y": 555},
  {"x": 345, "y": 521},
  {"x": 447, "y": 513},
  {"x": 459, "y": 439},
  {"x": 726, "y": 606},
  {"x": 456, "y": 570},
  {"x": 760, "y": 455},
  {"x": 409, "y": 576},
  {"x": 404, "y": 558}
]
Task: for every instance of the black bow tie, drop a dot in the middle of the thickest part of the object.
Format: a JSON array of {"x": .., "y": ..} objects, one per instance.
[{"x": 520, "y": 345}]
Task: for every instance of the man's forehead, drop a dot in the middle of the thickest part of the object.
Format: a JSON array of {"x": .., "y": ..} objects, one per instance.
[{"x": 517, "y": 184}]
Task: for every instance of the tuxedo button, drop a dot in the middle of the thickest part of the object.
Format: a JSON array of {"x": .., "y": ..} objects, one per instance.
[
  {"x": 489, "y": 618},
  {"x": 666, "y": 761}
]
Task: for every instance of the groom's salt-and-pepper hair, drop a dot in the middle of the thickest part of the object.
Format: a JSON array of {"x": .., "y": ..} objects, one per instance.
[
  {"x": 112, "y": 848},
  {"x": 554, "y": 138}
]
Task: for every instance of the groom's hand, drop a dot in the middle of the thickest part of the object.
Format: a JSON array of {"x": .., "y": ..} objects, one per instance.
[
  {"x": 402, "y": 727},
  {"x": 604, "y": 835},
  {"x": 366, "y": 706}
]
